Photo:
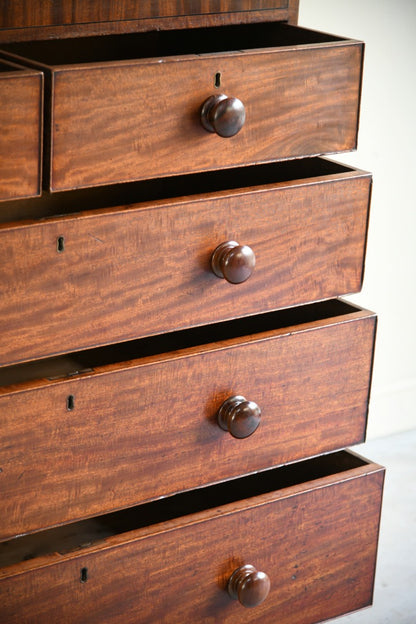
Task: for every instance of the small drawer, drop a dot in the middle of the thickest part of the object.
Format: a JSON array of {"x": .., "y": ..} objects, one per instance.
[
  {"x": 119, "y": 273},
  {"x": 21, "y": 114},
  {"x": 309, "y": 531},
  {"x": 117, "y": 426},
  {"x": 129, "y": 107}
]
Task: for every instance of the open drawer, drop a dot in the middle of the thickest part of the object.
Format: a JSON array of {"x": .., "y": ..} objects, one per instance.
[
  {"x": 129, "y": 107},
  {"x": 21, "y": 118},
  {"x": 308, "y": 530},
  {"x": 139, "y": 259},
  {"x": 117, "y": 426}
]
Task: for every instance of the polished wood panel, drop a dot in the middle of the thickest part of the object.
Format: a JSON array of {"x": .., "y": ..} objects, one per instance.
[
  {"x": 124, "y": 433},
  {"x": 316, "y": 541},
  {"x": 118, "y": 274},
  {"x": 21, "y": 116},
  {"x": 131, "y": 26},
  {"x": 29, "y": 13},
  {"x": 26, "y": 20}
]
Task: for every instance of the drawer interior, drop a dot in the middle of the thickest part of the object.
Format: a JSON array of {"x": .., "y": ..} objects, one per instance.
[
  {"x": 5, "y": 68},
  {"x": 86, "y": 533},
  {"x": 92, "y": 359},
  {"x": 168, "y": 43},
  {"x": 56, "y": 204}
]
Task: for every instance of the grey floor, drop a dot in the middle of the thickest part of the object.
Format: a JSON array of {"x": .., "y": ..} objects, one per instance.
[{"x": 395, "y": 586}]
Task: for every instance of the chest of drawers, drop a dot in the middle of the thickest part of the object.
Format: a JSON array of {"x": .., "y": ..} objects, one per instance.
[{"x": 178, "y": 377}]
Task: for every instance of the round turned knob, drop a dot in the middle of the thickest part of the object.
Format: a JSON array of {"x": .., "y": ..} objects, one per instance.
[
  {"x": 233, "y": 262},
  {"x": 249, "y": 586},
  {"x": 239, "y": 416},
  {"x": 223, "y": 115}
]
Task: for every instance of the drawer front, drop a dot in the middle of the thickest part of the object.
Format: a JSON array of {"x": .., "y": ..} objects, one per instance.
[
  {"x": 317, "y": 543},
  {"x": 136, "y": 431},
  {"x": 135, "y": 118},
  {"x": 297, "y": 103},
  {"x": 21, "y": 105},
  {"x": 146, "y": 269}
]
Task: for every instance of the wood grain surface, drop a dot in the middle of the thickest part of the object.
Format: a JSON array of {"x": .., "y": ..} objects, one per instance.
[
  {"x": 28, "y": 20},
  {"x": 317, "y": 541},
  {"x": 21, "y": 117},
  {"x": 145, "y": 428},
  {"x": 30, "y": 13},
  {"x": 145, "y": 269}
]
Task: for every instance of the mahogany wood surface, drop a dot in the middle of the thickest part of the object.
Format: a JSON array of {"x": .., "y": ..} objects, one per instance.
[
  {"x": 42, "y": 19},
  {"x": 117, "y": 121},
  {"x": 293, "y": 11},
  {"x": 92, "y": 29},
  {"x": 133, "y": 271},
  {"x": 21, "y": 117},
  {"x": 138, "y": 430},
  {"x": 31, "y": 13},
  {"x": 316, "y": 541}
]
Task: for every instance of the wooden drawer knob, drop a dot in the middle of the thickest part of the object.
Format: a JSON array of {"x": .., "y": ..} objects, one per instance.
[
  {"x": 239, "y": 416},
  {"x": 223, "y": 115},
  {"x": 233, "y": 262},
  {"x": 249, "y": 586}
]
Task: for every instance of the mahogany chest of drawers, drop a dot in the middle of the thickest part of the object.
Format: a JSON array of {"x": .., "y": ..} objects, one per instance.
[{"x": 178, "y": 375}]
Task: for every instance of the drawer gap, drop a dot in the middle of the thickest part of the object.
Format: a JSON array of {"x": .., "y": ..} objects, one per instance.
[
  {"x": 85, "y": 533},
  {"x": 5, "y": 68},
  {"x": 70, "y": 202},
  {"x": 168, "y": 43},
  {"x": 89, "y": 360}
]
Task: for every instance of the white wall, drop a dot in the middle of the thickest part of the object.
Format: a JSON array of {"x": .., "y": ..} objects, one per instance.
[{"x": 386, "y": 146}]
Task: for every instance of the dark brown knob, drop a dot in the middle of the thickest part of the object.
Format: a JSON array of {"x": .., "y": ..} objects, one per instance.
[
  {"x": 239, "y": 416},
  {"x": 249, "y": 586},
  {"x": 233, "y": 262},
  {"x": 223, "y": 115}
]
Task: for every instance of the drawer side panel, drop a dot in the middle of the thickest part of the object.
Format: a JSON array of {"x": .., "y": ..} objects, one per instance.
[{"x": 21, "y": 135}]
